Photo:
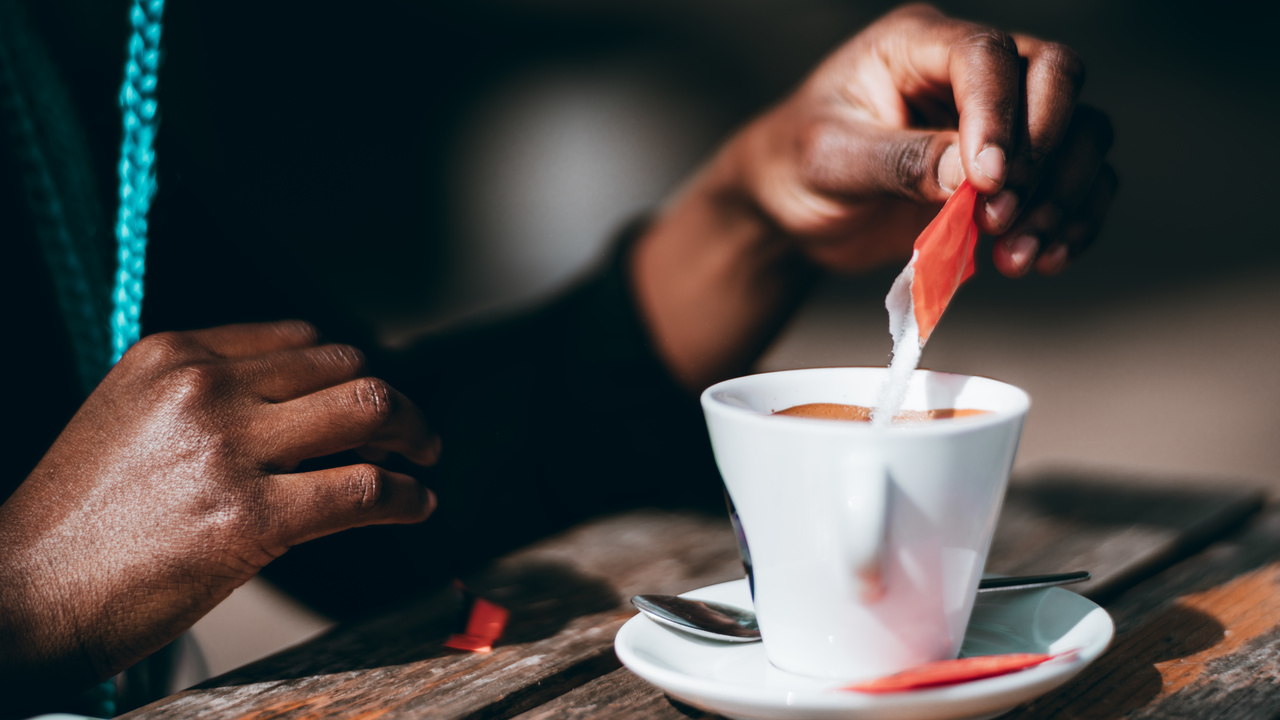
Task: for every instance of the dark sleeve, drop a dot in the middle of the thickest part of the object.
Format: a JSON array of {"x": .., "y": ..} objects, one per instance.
[
  {"x": 560, "y": 414},
  {"x": 547, "y": 418}
]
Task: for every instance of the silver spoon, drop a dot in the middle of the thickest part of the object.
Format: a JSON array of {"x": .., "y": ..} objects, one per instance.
[{"x": 718, "y": 621}]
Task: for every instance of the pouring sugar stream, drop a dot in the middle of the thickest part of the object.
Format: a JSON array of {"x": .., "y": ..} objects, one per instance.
[{"x": 941, "y": 261}]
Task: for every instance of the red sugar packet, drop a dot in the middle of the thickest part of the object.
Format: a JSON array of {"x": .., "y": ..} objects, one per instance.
[
  {"x": 950, "y": 672},
  {"x": 468, "y": 643},
  {"x": 943, "y": 258},
  {"x": 485, "y": 624}
]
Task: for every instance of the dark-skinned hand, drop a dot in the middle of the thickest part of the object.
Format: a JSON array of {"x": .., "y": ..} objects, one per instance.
[
  {"x": 174, "y": 484},
  {"x": 845, "y": 172},
  {"x": 856, "y": 162}
]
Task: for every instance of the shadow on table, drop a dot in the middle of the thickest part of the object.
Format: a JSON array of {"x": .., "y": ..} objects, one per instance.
[
  {"x": 1098, "y": 499},
  {"x": 1120, "y": 529},
  {"x": 1126, "y": 679},
  {"x": 688, "y": 711},
  {"x": 542, "y": 597},
  {"x": 1172, "y": 656}
]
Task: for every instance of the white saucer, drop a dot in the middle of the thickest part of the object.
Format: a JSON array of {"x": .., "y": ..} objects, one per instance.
[{"x": 737, "y": 680}]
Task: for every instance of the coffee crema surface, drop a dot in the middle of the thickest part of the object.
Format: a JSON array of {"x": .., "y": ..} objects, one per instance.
[{"x": 861, "y": 413}]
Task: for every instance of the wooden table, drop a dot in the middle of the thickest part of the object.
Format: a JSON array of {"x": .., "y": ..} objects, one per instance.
[{"x": 1191, "y": 577}]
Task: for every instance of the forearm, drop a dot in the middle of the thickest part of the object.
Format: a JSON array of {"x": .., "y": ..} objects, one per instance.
[{"x": 714, "y": 277}]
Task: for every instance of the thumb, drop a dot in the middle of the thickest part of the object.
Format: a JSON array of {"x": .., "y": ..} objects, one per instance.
[
  {"x": 866, "y": 160},
  {"x": 313, "y": 504}
]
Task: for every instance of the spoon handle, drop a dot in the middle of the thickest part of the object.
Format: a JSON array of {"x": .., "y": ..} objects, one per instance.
[
  {"x": 730, "y": 624},
  {"x": 1028, "y": 582}
]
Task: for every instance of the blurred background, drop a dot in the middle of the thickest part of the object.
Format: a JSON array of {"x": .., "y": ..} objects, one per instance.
[
  {"x": 1153, "y": 358},
  {"x": 1154, "y": 354}
]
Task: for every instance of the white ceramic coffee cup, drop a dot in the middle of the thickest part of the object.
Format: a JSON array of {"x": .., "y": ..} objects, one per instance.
[{"x": 866, "y": 543}]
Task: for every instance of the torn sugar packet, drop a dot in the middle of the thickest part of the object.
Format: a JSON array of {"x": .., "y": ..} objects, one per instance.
[
  {"x": 943, "y": 258},
  {"x": 941, "y": 261},
  {"x": 486, "y": 622}
]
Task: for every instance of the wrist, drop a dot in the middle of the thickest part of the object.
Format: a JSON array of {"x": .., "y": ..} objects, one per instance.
[
  {"x": 41, "y": 649},
  {"x": 714, "y": 276}
]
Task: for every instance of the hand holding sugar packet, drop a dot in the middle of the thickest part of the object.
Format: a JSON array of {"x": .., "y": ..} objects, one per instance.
[{"x": 941, "y": 261}]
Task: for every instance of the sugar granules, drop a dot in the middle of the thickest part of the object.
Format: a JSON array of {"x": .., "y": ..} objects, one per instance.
[{"x": 906, "y": 348}]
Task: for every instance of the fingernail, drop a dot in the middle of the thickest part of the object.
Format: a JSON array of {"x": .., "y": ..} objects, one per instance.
[
  {"x": 950, "y": 172},
  {"x": 1000, "y": 208},
  {"x": 1054, "y": 259},
  {"x": 991, "y": 163},
  {"x": 1022, "y": 250}
]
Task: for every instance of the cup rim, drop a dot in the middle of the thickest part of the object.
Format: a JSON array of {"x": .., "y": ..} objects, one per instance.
[{"x": 711, "y": 404}]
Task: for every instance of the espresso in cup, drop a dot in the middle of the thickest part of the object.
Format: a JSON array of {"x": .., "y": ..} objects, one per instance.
[{"x": 862, "y": 413}]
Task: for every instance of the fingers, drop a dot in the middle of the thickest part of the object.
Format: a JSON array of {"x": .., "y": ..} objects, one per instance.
[
  {"x": 290, "y": 374},
  {"x": 1071, "y": 172},
  {"x": 985, "y": 68},
  {"x": 979, "y": 68},
  {"x": 1080, "y": 232},
  {"x": 1022, "y": 140},
  {"x": 849, "y": 159},
  {"x": 163, "y": 351},
  {"x": 1066, "y": 212},
  {"x": 310, "y": 505},
  {"x": 1016, "y": 254},
  {"x": 361, "y": 413},
  {"x": 233, "y": 341},
  {"x": 317, "y": 400},
  {"x": 860, "y": 160},
  {"x": 1053, "y": 78},
  {"x": 1014, "y": 96}
]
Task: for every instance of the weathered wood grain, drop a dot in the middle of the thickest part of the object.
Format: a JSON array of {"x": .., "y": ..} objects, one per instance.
[
  {"x": 568, "y": 596},
  {"x": 1050, "y": 523},
  {"x": 620, "y": 695},
  {"x": 1197, "y": 641},
  {"x": 1120, "y": 531}
]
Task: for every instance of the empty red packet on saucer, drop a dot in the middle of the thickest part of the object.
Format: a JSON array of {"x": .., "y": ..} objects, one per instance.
[
  {"x": 943, "y": 258},
  {"x": 950, "y": 672}
]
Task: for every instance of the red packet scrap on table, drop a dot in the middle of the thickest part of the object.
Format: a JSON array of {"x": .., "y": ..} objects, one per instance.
[
  {"x": 951, "y": 672},
  {"x": 943, "y": 258},
  {"x": 485, "y": 624}
]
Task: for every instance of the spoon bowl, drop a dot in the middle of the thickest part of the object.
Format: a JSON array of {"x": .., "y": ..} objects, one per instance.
[{"x": 712, "y": 620}]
